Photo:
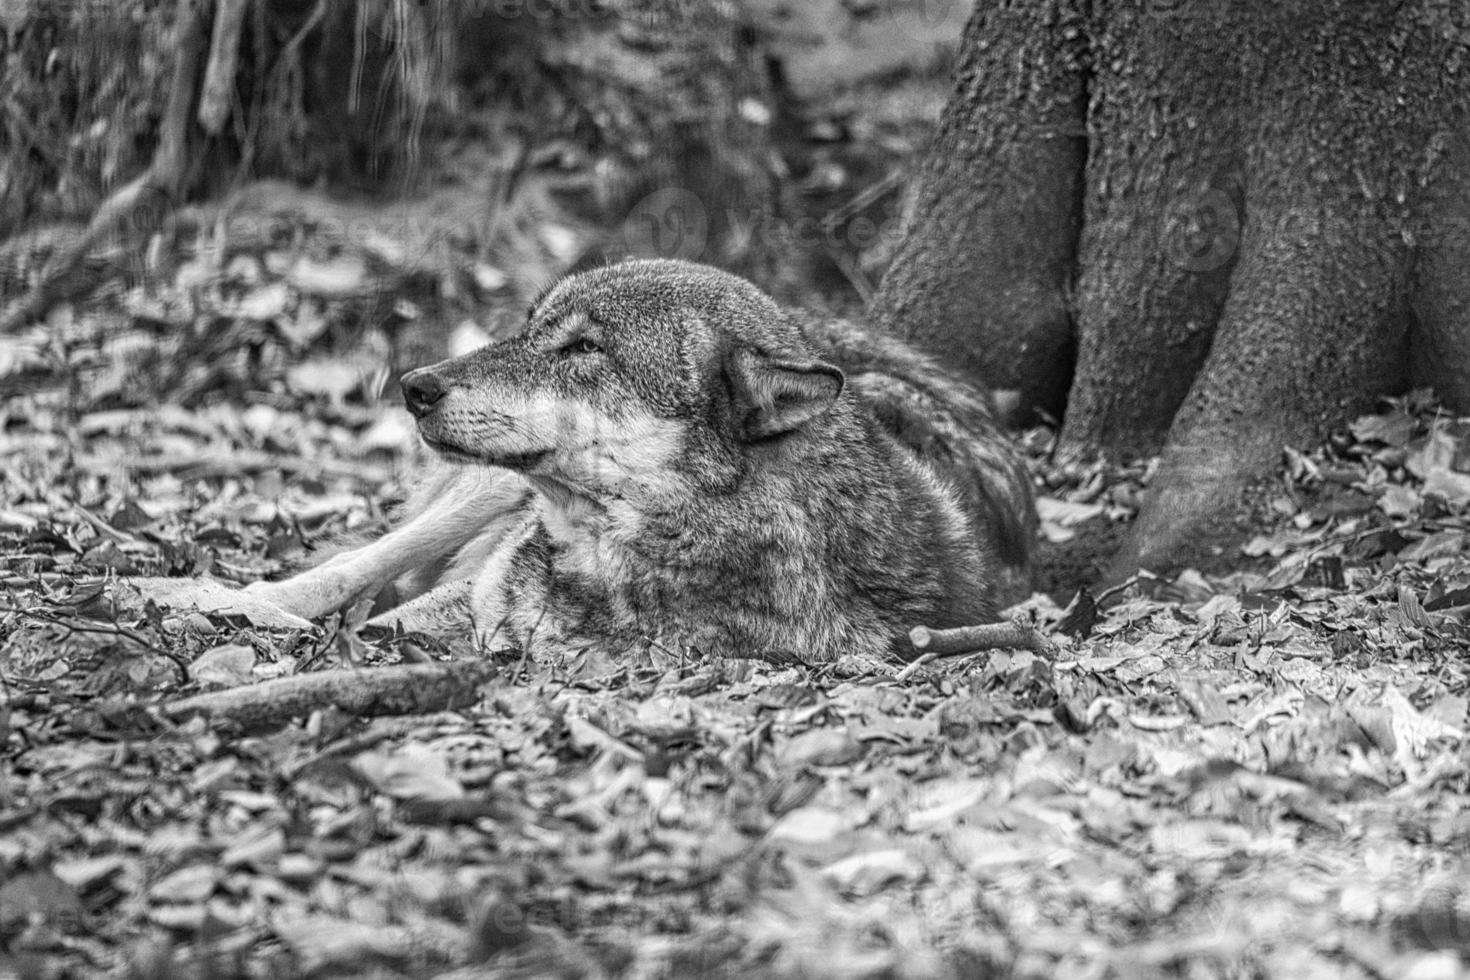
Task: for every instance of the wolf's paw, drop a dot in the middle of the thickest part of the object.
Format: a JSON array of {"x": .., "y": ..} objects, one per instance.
[
  {"x": 275, "y": 594},
  {"x": 210, "y": 596}
]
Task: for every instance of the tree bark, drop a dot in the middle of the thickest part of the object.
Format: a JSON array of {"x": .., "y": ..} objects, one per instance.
[
  {"x": 985, "y": 270},
  {"x": 1273, "y": 204}
]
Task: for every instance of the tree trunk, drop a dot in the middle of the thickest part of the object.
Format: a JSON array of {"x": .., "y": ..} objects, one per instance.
[
  {"x": 1272, "y": 202},
  {"x": 985, "y": 268}
]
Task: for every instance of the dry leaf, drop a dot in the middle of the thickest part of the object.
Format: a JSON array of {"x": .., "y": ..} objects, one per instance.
[
  {"x": 225, "y": 666},
  {"x": 413, "y": 772}
]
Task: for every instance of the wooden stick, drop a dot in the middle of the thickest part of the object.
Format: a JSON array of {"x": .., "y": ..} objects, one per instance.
[
  {"x": 399, "y": 690},
  {"x": 990, "y": 636}
]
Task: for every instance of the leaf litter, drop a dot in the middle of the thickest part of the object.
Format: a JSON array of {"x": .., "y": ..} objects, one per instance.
[{"x": 1257, "y": 773}]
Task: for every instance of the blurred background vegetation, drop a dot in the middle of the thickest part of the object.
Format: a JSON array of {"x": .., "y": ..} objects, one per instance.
[{"x": 521, "y": 132}]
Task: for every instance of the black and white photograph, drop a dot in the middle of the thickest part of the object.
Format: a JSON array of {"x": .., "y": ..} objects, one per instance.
[{"x": 662, "y": 489}]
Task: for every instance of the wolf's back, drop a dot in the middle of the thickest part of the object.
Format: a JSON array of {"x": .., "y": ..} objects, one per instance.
[{"x": 946, "y": 422}]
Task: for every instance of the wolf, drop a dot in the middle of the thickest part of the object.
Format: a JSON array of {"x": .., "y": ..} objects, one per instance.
[{"x": 667, "y": 457}]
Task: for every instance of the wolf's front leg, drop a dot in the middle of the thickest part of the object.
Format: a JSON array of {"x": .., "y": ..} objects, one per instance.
[
  {"x": 443, "y": 609},
  {"x": 456, "y": 506}
]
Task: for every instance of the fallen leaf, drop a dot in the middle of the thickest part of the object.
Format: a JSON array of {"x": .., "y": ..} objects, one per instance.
[
  {"x": 413, "y": 772},
  {"x": 1394, "y": 428},
  {"x": 942, "y": 802},
  {"x": 337, "y": 278},
  {"x": 1138, "y": 668},
  {"x": 1437, "y": 452},
  {"x": 811, "y": 825},
  {"x": 187, "y": 886},
  {"x": 1453, "y": 487},
  {"x": 871, "y": 871},
  {"x": 1065, "y": 512},
  {"x": 225, "y": 666},
  {"x": 1398, "y": 500},
  {"x": 819, "y": 747},
  {"x": 264, "y": 303},
  {"x": 323, "y": 943},
  {"x": 83, "y": 874}
]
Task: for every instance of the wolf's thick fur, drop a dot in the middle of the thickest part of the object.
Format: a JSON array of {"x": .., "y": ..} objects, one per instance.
[{"x": 666, "y": 456}]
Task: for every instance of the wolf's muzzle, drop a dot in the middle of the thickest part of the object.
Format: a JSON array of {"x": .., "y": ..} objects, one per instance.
[{"x": 422, "y": 390}]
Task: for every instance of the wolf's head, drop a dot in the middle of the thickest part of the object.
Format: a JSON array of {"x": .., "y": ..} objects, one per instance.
[{"x": 623, "y": 370}]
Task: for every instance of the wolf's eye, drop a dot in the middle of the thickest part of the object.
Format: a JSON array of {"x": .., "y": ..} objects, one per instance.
[{"x": 582, "y": 345}]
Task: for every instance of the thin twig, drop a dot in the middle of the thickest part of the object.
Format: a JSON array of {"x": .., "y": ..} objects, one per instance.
[
  {"x": 105, "y": 629},
  {"x": 1127, "y": 583},
  {"x": 34, "y": 580},
  {"x": 914, "y": 665},
  {"x": 380, "y": 731},
  {"x": 102, "y": 527}
]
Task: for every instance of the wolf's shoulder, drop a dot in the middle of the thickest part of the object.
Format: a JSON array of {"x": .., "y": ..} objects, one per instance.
[{"x": 950, "y": 425}]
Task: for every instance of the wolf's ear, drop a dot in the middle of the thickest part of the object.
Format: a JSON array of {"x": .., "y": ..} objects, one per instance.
[{"x": 777, "y": 395}]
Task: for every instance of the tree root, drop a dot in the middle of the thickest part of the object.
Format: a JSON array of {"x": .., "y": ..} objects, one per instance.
[{"x": 398, "y": 690}]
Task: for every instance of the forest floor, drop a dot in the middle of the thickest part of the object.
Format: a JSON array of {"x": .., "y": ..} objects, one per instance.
[{"x": 1257, "y": 774}]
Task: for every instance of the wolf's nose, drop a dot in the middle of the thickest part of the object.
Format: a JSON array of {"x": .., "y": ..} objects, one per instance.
[{"x": 422, "y": 390}]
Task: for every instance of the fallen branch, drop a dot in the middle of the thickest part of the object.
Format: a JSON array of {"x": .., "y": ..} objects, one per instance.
[
  {"x": 969, "y": 639},
  {"x": 34, "y": 579},
  {"x": 401, "y": 690}
]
